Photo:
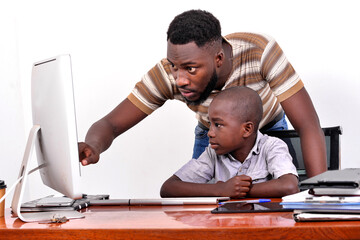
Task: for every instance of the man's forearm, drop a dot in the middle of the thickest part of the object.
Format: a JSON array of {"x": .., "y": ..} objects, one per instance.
[
  {"x": 313, "y": 148},
  {"x": 100, "y": 136},
  {"x": 302, "y": 115}
]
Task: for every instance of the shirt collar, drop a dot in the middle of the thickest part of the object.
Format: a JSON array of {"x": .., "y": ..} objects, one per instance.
[
  {"x": 256, "y": 148},
  {"x": 225, "y": 40}
]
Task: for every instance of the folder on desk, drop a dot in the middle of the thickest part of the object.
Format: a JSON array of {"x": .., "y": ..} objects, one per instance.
[
  {"x": 342, "y": 179},
  {"x": 304, "y": 216}
]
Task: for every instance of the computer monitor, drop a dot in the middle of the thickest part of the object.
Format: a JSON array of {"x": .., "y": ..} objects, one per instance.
[{"x": 54, "y": 131}]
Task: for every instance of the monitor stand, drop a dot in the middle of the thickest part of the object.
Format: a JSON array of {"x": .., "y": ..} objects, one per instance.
[{"x": 20, "y": 187}]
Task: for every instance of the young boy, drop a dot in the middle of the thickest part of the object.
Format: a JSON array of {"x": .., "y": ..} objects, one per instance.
[{"x": 241, "y": 161}]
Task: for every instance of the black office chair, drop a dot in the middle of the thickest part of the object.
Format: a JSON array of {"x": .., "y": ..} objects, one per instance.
[{"x": 292, "y": 139}]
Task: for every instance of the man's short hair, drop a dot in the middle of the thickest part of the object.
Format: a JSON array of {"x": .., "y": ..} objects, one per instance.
[{"x": 197, "y": 26}]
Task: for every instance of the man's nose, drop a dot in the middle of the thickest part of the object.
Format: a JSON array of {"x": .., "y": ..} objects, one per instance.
[{"x": 180, "y": 78}]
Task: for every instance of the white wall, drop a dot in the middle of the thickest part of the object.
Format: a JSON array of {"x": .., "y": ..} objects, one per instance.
[{"x": 113, "y": 44}]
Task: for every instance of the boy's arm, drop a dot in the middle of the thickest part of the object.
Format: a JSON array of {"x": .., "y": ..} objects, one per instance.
[
  {"x": 236, "y": 187},
  {"x": 282, "y": 186}
]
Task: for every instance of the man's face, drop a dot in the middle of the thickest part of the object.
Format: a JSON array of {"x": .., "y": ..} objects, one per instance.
[
  {"x": 193, "y": 69},
  {"x": 226, "y": 130}
]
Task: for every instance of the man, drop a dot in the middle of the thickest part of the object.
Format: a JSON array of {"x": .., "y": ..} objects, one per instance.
[{"x": 200, "y": 63}]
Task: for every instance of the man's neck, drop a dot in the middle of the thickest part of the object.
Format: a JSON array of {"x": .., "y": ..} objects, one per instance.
[{"x": 226, "y": 68}]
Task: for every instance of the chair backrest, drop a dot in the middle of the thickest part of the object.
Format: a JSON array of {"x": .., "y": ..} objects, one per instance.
[{"x": 292, "y": 139}]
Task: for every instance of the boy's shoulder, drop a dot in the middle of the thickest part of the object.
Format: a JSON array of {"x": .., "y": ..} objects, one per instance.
[{"x": 270, "y": 141}]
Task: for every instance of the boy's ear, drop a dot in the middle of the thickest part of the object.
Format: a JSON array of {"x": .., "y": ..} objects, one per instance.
[{"x": 248, "y": 128}]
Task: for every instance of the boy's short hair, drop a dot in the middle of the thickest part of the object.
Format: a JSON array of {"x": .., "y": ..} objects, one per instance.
[
  {"x": 197, "y": 26},
  {"x": 246, "y": 103}
]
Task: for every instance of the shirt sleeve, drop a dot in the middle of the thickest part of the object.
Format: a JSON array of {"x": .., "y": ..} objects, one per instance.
[
  {"x": 155, "y": 87},
  {"x": 199, "y": 170},
  {"x": 278, "y": 71},
  {"x": 278, "y": 158}
]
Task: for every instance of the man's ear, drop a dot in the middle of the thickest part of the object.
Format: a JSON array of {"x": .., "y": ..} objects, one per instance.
[
  {"x": 219, "y": 58},
  {"x": 248, "y": 128}
]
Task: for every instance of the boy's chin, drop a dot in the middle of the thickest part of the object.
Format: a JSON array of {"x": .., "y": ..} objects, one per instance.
[{"x": 219, "y": 152}]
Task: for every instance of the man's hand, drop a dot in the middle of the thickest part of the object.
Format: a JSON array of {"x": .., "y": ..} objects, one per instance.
[
  {"x": 87, "y": 154},
  {"x": 236, "y": 187}
]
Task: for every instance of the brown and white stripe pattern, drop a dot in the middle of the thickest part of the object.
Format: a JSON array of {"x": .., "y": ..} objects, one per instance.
[{"x": 258, "y": 63}]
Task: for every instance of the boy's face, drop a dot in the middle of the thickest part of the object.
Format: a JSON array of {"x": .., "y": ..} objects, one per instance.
[{"x": 225, "y": 131}]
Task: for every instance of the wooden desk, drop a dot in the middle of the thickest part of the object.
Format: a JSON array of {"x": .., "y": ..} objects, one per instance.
[{"x": 177, "y": 222}]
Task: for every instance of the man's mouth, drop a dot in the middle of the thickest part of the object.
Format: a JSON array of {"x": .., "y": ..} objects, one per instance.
[{"x": 188, "y": 94}]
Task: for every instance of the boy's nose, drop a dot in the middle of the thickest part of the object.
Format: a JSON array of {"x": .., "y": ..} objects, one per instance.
[{"x": 210, "y": 133}]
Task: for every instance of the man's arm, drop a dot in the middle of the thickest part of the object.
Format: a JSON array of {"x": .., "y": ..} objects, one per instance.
[
  {"x": 302, "y": 115},
  {"x": 236, "y": 187},
  {"x": 285, "y": 185},
  {"x": 102, "y": 133}
]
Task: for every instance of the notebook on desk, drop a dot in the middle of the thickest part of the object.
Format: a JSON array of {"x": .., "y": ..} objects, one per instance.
[
  {"x": 348, "y": 178},
  {"x": 159, "y": 201}
]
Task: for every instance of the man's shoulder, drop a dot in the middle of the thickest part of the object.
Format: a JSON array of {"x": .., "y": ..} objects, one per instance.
[
  {"x": 165, "y": 64},
  {"x": 259, "y": 39}
]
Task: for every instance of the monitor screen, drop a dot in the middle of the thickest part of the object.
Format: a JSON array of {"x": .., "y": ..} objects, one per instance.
[{"x": 53, "y": 109}]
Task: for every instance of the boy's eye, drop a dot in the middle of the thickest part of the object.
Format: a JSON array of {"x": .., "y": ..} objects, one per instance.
[{"x": 217, "y": 125}]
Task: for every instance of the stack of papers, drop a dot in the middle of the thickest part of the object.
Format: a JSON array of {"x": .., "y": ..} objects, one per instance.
[
  {"x": 308, "y": 207},
  {"x": 332, "y": 195}
]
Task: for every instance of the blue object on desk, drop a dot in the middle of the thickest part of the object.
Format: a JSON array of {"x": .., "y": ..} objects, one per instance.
[{"x": 247, "y": 201}]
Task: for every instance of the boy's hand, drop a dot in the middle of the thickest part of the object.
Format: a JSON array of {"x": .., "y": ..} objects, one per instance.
[
  {"x": 87, "y": 154},
  {"x": 236, "y": 187}
]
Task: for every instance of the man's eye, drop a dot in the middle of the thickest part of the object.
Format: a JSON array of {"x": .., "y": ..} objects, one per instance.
[
  {"x": 217, "y": 125},
  {"x": 191, "y": 69},
  {"x": 171, "y": 64},
  {"x": 173, "y": 67}
]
